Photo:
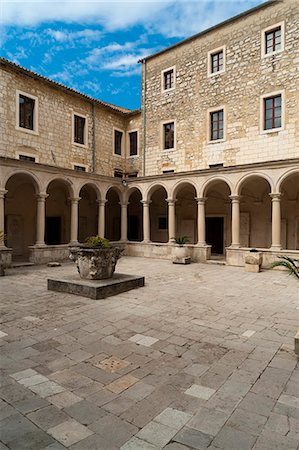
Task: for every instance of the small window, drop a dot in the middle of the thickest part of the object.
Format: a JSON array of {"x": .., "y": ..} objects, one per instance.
[
  {"x": 216, "y": 166},
  {"x": 168, "y": 171},
  {"x": 216, "y": 118},
  {"x": 118, "y": 136},
  {"x": 79, "y": 168},
  {"x": 132, "y": 175},
  {"x": 168, "y": 79},
  {"x": 27, "y": 158},
  {"x": 133, "y": 138},
  {"x": 273, "y": 40},
  {"x": 26, "y": 112},
  {"x": 162, "y": 223},
  {"x": 168, "y": 132},
  {"x": 118, "y": 173},
  {"x": 217, "y": 64},
  {"x": 79, "y": 129},
  {"x": 272, "y": 112}
]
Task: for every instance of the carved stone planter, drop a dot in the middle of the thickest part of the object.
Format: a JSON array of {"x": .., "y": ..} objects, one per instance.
[
  {"x": 95, "y": 263},
  {"x": 181, "y": 255},
  {"x": 253, "y": 261}
]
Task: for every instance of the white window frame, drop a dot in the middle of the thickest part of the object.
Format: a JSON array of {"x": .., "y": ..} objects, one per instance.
[
  {"x": 174, "y": 79},
  {"x": 35, "y": 113},
  {"x": 212, "y": 110},
  {"x": 164, "y": 122},
  {"x": 85, "y": 145},
  {"x": 80, "y": 165},
  {"x": 262, "y": 111},
  {"x": 128, "y": 143},
  {"x": 210, "y": 54},
  {"x": 123, "y": 144},
  {"x": 263, "y": 39},
  {"x": 31, "y": 155}
]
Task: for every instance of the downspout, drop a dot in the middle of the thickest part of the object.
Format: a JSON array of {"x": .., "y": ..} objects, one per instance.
[
  {"x": 94, "y": 165},
  {"x": 144, "y": 115}
]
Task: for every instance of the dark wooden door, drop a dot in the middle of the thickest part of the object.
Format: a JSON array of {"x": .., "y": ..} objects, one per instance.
[
  {"x": 53, "y": 230},
  {"x": 215, "y": 234}
]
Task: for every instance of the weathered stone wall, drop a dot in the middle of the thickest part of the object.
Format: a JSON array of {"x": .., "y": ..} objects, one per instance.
[{"x": 247, "y": 77}]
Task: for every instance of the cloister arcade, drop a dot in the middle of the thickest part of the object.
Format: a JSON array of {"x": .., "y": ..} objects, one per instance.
[{"x": 219, "y": 214}]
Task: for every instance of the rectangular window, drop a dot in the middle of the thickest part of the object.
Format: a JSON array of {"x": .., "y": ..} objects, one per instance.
[
  {"x": 118, "y": 173},
  {"x": 26, "y": 158},
  {"x": 272, "y": 112},
  {"x": 162, "y": 223},
  {"x": 273, "y": 40},
  {"x": 118, "y": 135},
  {"x": 217, "y": 62},
  {"x": 168, "y": 129},
  {"x": 132, "y": 175},
  {"x": 216, "y": 125},
  {"x": 133, "y": 137},
  {"x": 26, "y": 112},
  {"x": 168, "y": 79},
  {"x": 79, "y": 130},
  {"x": 79, "y": 168}
]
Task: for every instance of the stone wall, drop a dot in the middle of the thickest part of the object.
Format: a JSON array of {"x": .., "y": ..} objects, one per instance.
[{"x": 238, "y": 89}]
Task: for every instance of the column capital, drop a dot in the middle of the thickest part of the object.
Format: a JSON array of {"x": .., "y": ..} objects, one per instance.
[
  {"x": 75, "y": 199},
  {"x": 276, "y": 197},
  {"x": 3, "y": 192},
  {"x": 102, "y": 202},
  {"x": 170, "y": 201},
  {"x": 201, "y": 200},
  {"x": 41, "y": 197},
  {"x": 235, "y": 198},
  {"x": 124, "y": 204},
  {"x": 146, "y": 202}
]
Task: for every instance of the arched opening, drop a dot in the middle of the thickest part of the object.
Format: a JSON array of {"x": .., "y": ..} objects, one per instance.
[
  {"x": 88, "y": 213},
  {"x": 290, "y": 212},
  {"x": 158, "y": 215},
  {"x": 113, "y": 215},
  {"x": 20, "y": 214},
  {"x": 218, "y": 216},
  {"x": 135, "y": 217},
  {"x": 58, "y": 213},
  {"x": 255, "y": 213},
  {"x": 186, "y": 212}
]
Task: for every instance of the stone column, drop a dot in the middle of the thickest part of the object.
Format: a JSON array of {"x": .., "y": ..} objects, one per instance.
[
  {"x": 235, "y": 199},
  {"x": 2, "y": 195},
  {"x": 171, "y": 220},
  {"x": 146, "y": 221},
  {"x": 101, "y": 218},
  {"x": 276, "y": 221},
  {"x": 40, "y": 219},
  {"x": 201, "y": 221},
  {"x": 124, "y": 221},
  {"x": 74, "y": 220}
]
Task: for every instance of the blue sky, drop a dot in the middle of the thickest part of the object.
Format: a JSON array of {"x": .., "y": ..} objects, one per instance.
[{"x": 93, "y": 46}]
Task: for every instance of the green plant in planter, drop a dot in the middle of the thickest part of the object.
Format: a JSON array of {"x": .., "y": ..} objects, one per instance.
[
  {"x": 97, "y": 242},
  {"x": 181, "y": 240},
  {"x": 292, "y": 265}
]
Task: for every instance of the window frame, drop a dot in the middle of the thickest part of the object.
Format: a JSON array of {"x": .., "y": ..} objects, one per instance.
[
  {"x": 30, "y": 155},
  {"x": 79, "y": 165},
  {"x": 128, "y": 143},
  {"x": 273, "y": 27},
  {"x": 35, "y": 113},
  {"x": 165, "y": 122},
  {"x": 209, "y": 128},
  {"x": 85, "y": 145},
  {"x": 122, "y": 143},
  {"x": 164, "y": 217},
  {"x": 210, "y": 55},
  {"x": 173, "y": 68},
  {"x": 262, "y": 112}
]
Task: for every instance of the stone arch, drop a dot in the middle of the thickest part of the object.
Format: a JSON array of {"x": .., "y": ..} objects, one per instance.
[
  {"x": 88, "y": 211},
  {"x": 288, "y": 186},
  {"x": 283, "y": 177},
  {"x": 243, "y": 180},
  {"x": 212, "y": 181},
  {"x": 154, "y": 187},
  {"x": 65, "y": 181},
  {"x": 181, "y": 184},
  {"x": 27, "y": 173},
  {"x": 92, "y": 186},
  {"x": 185, "y": 194},
  {"x": 135, "y": 214},
  {"x": 116, "y": 188}
]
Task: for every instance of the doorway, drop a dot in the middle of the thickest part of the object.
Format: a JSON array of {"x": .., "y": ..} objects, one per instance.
[
  {"x": 215, "y": 234},
  {"x": 133, "y": 228},
  {"x": 53, "y": 230}
]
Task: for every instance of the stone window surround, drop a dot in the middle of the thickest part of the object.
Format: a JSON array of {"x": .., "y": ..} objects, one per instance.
[
  {"x": 35, "y": 114},
  {"x": 161, "y": 216},
  {"x": 164, "y": 122},
  {"x": 212, "y": 52},
  {"x": 31, "y": 155},
  {"x": 128, "y": 143},
  {"x": 123, "y": 144},
  {"x": 80, "y": 165},
  {"x": 85, "y": 145},
  {"x": 262, "y": 111},
  {"x": 162, "y": 79},
  {"x": 263, "y": 39},
  {"x": 211, "y": 110}
]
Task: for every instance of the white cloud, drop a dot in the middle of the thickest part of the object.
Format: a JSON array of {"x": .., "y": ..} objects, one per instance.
[{"x": 86, "y": 35}]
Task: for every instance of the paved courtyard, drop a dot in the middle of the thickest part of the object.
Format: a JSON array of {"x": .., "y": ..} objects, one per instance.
[{"x": 201, "y": 357}]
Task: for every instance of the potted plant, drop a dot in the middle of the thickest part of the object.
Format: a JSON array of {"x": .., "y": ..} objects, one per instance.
[
  {"x": 96, "y": 258},
  {"x": 291, "y": 264},
  {"x": 180, "y": 250}
]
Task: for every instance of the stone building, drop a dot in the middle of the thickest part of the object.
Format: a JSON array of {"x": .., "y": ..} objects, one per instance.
[{"x": 212, "y": 154}]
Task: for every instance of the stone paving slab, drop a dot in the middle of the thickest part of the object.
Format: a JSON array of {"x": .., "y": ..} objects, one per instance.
[{"x": 83, "y": 375}]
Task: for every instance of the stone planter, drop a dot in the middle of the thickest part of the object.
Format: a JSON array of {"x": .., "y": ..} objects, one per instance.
[
  {"x": 95, "y": 263},
  {"x": 253, "y": 261},
  {"x": 181, "y": 255}
]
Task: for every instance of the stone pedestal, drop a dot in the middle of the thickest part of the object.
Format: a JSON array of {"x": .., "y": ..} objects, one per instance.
[{"x": 253, "y": 261}]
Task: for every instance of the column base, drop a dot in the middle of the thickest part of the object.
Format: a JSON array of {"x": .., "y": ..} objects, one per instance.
[
  {"x": 146, "y": 241},
  {"x": 39, "y": 244},
  {"x": 201, "y": 244},
  {"x": 73, "y": 244},
  {"x": 275, "y": 248},
  {"x": 235, "y": 246}
]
